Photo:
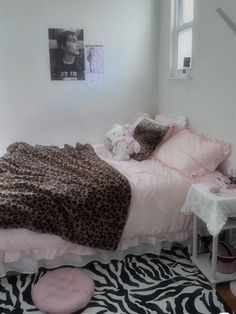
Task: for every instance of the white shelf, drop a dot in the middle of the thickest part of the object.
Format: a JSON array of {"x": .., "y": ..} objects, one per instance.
[
  {"x": 226, "y": 206},
  {"x": 204, "y": 264}
]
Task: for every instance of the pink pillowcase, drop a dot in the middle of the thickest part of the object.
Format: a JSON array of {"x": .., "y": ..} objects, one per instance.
[{"x": 191, "y": 153}]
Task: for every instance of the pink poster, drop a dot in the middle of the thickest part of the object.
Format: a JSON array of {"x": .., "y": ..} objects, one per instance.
[{"x": 94, "y": 59}]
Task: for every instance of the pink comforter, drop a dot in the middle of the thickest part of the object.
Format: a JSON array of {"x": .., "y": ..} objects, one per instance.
[{"x": 158, "y": 194}]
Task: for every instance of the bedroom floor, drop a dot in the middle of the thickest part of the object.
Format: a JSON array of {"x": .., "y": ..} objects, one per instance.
[
  {"x": 148, "y": 283},
  {"x": 224, "y": 290}
]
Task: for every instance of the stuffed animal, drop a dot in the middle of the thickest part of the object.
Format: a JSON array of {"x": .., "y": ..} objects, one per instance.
[
  {"x": 121, "y": 142},
  {"x": 124, "y": 147},
  {"x": 116, "y": 132}
]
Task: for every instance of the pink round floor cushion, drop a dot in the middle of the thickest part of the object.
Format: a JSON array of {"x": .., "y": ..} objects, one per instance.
[{"x": 63, "y": 291}]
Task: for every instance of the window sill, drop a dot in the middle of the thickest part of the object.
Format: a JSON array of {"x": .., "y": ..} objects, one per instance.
[
  {"x": 180, "y": 74},
  {"x": 179, "y": 78}
]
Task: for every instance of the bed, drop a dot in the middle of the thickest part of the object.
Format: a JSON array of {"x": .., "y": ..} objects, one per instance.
[
  {"x": 157, "y": 187},
  {"x": 153, "y": 218}
]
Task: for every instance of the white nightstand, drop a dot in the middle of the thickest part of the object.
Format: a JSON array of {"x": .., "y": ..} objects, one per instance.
[{"x": 215, "y": 210}]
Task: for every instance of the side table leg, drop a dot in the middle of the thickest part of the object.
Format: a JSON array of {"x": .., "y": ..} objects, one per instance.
[
  {"x": 194, "y": 237},
  {"x": 214, "y": 257}
]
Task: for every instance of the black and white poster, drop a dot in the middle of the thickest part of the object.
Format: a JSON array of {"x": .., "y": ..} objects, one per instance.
[{"x": 66, "y": 49}]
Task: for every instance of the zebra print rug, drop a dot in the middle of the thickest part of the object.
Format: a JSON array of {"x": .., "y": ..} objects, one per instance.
[{"x": 145, "y": 284}]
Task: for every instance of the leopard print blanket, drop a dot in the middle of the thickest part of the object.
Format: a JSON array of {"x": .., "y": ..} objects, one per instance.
[{"x": 69, "y": 192}]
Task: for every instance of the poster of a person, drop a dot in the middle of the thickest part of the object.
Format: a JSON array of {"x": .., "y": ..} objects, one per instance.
[
  {"x": 94, "y": 59},
  {"x": 66, "y": 50}
]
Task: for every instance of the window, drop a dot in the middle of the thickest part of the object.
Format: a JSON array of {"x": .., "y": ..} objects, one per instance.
[{"x": 181, "y": 38}]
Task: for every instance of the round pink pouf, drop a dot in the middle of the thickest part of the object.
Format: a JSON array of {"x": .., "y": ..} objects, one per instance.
[{"x": 63, "y": 291}]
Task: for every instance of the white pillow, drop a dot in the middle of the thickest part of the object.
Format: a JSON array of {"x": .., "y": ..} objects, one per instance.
[{"x": 179, "y": 122}]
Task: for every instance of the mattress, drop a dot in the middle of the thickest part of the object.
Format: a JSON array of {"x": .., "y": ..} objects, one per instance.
[{"x": 158, "y": 194}]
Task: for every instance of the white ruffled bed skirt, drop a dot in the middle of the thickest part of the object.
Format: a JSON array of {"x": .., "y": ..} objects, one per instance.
[{"x": 29, "y": 265}]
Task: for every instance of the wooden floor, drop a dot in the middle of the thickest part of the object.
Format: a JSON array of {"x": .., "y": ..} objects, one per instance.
[{"x": 224, "y": 290}]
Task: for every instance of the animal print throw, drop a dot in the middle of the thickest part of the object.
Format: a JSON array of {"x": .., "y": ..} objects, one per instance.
[
  {"x": 148, "y": 134},
  {"x": 69, "y": 192}
]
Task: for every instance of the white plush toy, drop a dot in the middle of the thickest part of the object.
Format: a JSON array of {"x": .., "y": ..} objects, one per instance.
[
  {"x": 116, "y": 132},
  {"x": 124, "y": 147},
  {"x": 121, "y": 142}
]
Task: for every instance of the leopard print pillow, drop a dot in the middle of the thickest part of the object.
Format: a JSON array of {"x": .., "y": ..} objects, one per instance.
[{"x": 149, "y": 134}]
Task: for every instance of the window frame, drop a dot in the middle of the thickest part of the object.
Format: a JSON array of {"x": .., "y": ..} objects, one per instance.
[{"x": 176, "y": 27}]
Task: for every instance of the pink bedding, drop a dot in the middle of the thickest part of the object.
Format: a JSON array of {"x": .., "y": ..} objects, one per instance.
[{"x": 158, "y": 193}]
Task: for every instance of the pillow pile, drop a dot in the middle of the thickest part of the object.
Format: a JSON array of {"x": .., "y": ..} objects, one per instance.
[
  {"x": 183, "y": 149},
  {"x": 192, "y": 153}
]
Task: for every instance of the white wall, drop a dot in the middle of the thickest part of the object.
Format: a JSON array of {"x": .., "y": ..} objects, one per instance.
[
  {"x": 209, "y": 100},
  {"x": 37, "y": 110}
]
